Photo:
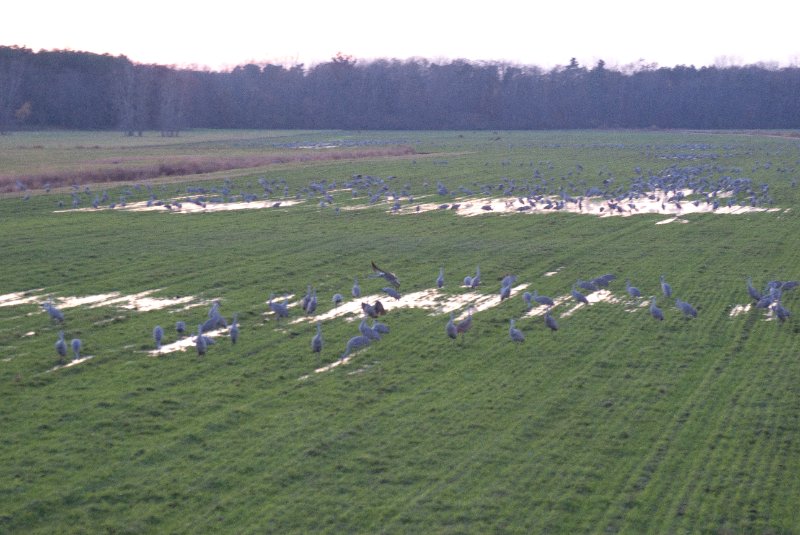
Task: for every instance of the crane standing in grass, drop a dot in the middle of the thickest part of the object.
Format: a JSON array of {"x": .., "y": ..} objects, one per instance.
[
  {"x": 158, "y": 334},
  {"x": 316, "y": 341},
  {"x": 515, "y": 334},
  {"x": 61, "y": 347},
  {"x": 76, "y": 348},
  {"x": 654, "y": 310}
]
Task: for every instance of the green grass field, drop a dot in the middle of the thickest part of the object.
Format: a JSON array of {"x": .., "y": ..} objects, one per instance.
[{"x": 615, "y": 423}]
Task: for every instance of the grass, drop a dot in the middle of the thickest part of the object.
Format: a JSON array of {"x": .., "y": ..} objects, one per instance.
[{"x": 615, "y": 423}]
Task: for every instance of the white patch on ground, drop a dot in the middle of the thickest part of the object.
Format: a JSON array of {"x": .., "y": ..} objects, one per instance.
[
  {"x": 671, "y": 220},
  {"x": 90, "y": 300},
  {"x": 71, "y": 363},
  {"x": 141, "y": 302},
  {"x": 642, "y": 304},
  {"x": 599, "y": 296},
  {"x": 479, "y": 302},
  {"x": 185, "y": 343},
  {"x": 20, "y": 298},
  {"x": 539, "y": 310},
  {"x": 187, "y": 207},
  {"x": 590, "y": 206},
  {"x": 332, "y": 365},
  {"x": 431, "y": 299},
  {"x": 740, "y": 309},
  {"x": 30, "y": 333},
  {"x": 551, "y": 273}
]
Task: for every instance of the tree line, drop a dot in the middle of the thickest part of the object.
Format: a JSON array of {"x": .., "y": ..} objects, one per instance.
[{"x": 82, "y": 90}]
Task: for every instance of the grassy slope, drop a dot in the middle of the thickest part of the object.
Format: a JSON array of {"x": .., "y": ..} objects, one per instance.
[{"x": 615, "y": 422}]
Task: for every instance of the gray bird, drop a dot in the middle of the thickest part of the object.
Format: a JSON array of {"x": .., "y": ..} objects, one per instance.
[
  {"x": 686, "y": 308},
  {"x": 76, "y": 348},
  {"x": 476, "y": 280},
  {"x": 633, "y": 291},
  {"x": 356, "y": 342},
  {"x": 464, "y": 325},
  {"x": 754, "y": 294},
  {"x": 61, "y": 346},
  {"x": 316, "y": 342},
  {"x": 440, "y": 278},
  {"x": 382, "y": 273},
  {"x": 550, "y": 321},
  {"x": 527, "y": 297},
  {"x": 356, "y": 291},
  {"x": 542, "y": 299},
  {"x": 654, "y": 310},
  {"x": 281, "y": 310},
  {"x": 666, "y": 289},
  {"x": 515, "y": 334},
  {"x": 158, "y": 334},
  {"x": 234, "y": 329},
  {"x": 54, "y": 313},
  {"x": 379, "y": 327},
  {"x": 505, "y": 292},
  {"x": 200, "y": 342},
  {"x": 391, "y": 292},
  {"x": 311, "y": 304},
  {"x": 781, "y": 312},
  {"x": 579, "y": 296},
  {"x": 451, "y": 329},
  {"x": 368, "y": 331}
]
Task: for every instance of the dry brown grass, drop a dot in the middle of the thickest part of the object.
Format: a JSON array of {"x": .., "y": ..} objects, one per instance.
[{"x": 117, "y": 170}]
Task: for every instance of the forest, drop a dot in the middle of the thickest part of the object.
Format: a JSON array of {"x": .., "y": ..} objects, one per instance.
[{"x": 64, "y": 89}]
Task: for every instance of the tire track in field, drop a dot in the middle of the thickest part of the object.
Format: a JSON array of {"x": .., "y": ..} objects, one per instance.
[
  {"x": 640, "y": 479},
  {"x": 556, "y": 403},
  {"x": 707, "y": 475}
]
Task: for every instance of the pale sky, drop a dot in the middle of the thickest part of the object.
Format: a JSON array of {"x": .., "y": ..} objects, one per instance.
[{"x": 222, "y": 34}]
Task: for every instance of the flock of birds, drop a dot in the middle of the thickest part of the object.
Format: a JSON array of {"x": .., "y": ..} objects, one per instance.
[
  {"x": 770, "y": 298},
  {"x": 712, "y": 185},
  {"x": 709, "y": 183}
]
